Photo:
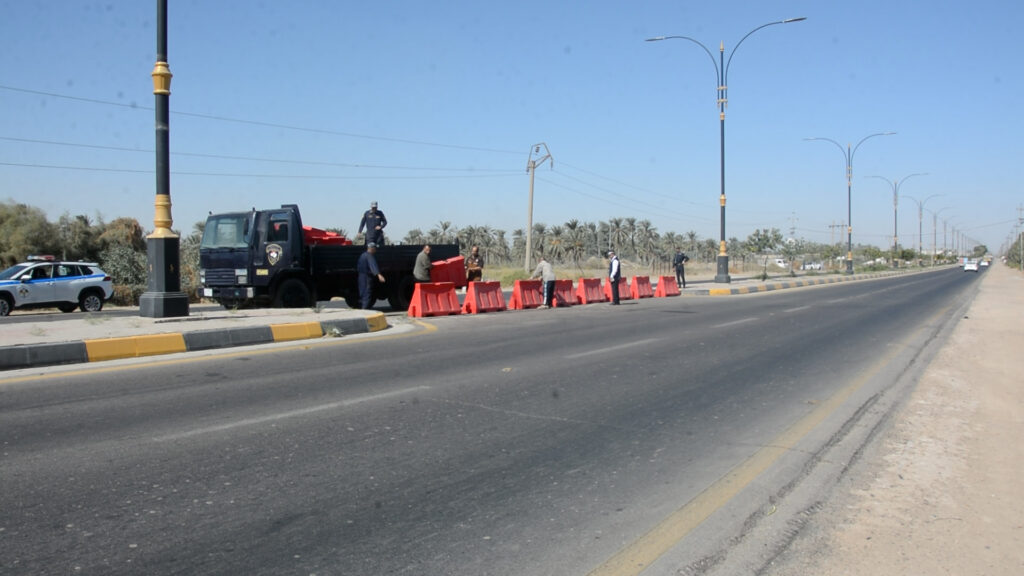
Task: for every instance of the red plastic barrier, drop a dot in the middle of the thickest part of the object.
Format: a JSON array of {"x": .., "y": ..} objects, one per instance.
[
  {"x": 624, "y": 293},
  {"x": 526, "y": 294},
  {"x": 483, "y": 297},
  {"x": 317, "y": 236},
  {"x": 434, "y": 299},
  {"x": 451, "y": 270},
  {"x": 457, "y": 269},
  {"x": 666, "y": 287},
  {"x": 641, "y": 287},
  {"x": 588, "y": 291},
  {"x": 563, "y": 294}
]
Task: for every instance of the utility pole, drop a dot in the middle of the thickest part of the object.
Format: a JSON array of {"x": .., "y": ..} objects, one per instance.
[
  {"x": 832, "y": 236},
  {"x": 531, "y": 167}
]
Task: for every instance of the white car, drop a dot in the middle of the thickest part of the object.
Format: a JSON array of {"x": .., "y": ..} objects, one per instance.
[
  {"x": 44, "y": 282},
  {"x": 970, "y": 265}
]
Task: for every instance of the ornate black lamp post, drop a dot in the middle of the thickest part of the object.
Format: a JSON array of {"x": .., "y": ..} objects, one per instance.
[
  {"x": 848, "y": 154},
  {"x": 722, "y": 73},
  {"x": 163, "y": 297}
]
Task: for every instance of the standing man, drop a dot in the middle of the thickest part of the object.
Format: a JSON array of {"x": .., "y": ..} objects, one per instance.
[
  {"x": 367, "y": 268},
  {"x": 614, "y": 275},
  {"x": 421, "y": 270},
  {"x": 679, "y": 262},
  {"x": 547, "y": 275},
  {"x": 474, "y": 265},
  {"x": 374, "y": 222}
]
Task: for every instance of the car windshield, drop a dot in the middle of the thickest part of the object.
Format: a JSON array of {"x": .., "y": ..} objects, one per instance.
[
  {"x": 13, "y": 271},
  {"x": 227, "y": 231}
]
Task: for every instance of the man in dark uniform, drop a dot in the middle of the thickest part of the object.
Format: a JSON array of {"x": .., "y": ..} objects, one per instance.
[
  {"x": 679, "y": 262},
  {"x": 374, "y": 222},
  {"x": 367, "y": 268},
  {"x": 614, "y": 275}
]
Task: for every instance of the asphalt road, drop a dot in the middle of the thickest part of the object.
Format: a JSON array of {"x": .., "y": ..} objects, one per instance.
[{"x": 586, "y": 440}]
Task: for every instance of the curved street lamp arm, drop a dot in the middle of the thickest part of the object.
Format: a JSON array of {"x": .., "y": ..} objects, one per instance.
[
  {"x": 838, "y": 145},
  {"x": 718, "y": 74},
  {"x": 865, "y": 138},
  {"x": 725, "y": 73}
]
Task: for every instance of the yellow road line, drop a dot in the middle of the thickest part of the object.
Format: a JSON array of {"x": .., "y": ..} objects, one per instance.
[{"x": 638, "y": 556}]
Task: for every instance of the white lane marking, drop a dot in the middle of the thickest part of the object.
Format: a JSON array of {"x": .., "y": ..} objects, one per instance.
[
  {"x": 288, "y": 414},
  {"x": 611, "y": 348},
  {"x": 727, "y": 324},
  {"x": 797, "y": 309}
]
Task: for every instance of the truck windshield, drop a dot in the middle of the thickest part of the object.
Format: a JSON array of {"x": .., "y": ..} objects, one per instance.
[{"x": 227, "y": 231}]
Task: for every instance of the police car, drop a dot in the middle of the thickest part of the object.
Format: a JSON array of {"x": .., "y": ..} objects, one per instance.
[{"x": 43, "y": 281}]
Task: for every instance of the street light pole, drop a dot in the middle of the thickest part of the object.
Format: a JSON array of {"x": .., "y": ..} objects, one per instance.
[
  {"x": 935, "y": 234},
  {"x": 895, "y": 185},
  {"x": 163, "y": 297},
  {"x": 920, "y": 219},
  {"x": 848, "y": 155},
  {"x": 722, "y": 76}
]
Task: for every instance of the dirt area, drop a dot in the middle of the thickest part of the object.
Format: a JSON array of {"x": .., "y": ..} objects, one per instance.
[{"x": 942, "y": 493}]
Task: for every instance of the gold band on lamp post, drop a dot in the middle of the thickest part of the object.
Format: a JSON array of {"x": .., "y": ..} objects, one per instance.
[
  {"x": 162, "y": 220},
  {"x": 162, "y": 79}
]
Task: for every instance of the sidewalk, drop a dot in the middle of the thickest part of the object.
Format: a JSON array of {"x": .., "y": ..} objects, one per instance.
[
  {"x": 77, "y": 337},
  {"x": 940, "y": 492}
]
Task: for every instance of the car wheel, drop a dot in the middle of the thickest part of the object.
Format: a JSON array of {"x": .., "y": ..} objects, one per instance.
[
  {"x": 67, "y": 307},
  {"x": 292, "y": 293},
  {"x": 5, "y": 305},
  {"x": 90, "y": 302}
]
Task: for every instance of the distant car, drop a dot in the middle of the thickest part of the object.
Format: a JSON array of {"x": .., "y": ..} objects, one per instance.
[
  {"x": 970, "y": 265},
  {"x": 984, "y": 263},
  {"x": 44, "y": 282}
]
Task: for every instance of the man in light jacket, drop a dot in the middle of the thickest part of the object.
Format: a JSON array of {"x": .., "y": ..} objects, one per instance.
[{"x": 547, "y": 274}]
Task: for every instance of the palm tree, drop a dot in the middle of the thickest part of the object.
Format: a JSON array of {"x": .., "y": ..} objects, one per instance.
[
  {"x": 692, "y": 239},
  {"x": 556, "y": 242},
  {"x": 540, "y": 232},
  {"x": 617, "y": 234},
  {"x": 647, "y": 239},
  {"x": 630, "y": 227}
]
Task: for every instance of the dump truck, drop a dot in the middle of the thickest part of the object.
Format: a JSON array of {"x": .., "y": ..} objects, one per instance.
[{"x": 264, "y": 258}]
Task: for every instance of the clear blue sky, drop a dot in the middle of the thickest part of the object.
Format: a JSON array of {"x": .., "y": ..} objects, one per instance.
[{"x": 431, "y": 108}]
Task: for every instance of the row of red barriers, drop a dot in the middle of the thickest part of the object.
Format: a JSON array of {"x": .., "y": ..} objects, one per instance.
[{"x": 439, "y": 299}]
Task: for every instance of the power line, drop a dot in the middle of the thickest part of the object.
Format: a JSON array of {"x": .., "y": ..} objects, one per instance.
[
  {"x": 256, "y": 159},
  {"x": 265, "y": 124},
  {"x": 249, "y": 175}
]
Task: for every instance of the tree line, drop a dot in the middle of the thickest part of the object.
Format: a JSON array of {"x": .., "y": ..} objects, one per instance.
[{"x": 119, "y": 246}]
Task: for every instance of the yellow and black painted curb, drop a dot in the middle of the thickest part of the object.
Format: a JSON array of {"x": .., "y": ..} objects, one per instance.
[{"x": 34, "y": 355}]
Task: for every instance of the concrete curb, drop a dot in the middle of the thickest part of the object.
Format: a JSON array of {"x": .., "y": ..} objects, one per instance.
[
  {"x": 76, "y": 352},
  {"x": 774, "y": 284}
]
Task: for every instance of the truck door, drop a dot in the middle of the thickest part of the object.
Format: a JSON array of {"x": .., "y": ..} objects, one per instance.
[{"x": 280, "y": 249}]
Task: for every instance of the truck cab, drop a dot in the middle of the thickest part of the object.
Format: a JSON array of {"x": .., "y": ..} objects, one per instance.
[{"x": 251, "y": 256}]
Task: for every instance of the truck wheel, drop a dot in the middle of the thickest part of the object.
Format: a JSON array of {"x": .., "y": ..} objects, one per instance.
[
  {"x": 401, "y": 296},
  {"x": 352, "y": 300},
  {"x": 292, "y": 293}
]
